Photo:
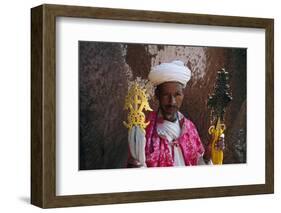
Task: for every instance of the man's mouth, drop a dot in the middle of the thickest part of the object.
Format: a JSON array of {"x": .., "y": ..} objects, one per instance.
[{"x": 171, "y": 108}]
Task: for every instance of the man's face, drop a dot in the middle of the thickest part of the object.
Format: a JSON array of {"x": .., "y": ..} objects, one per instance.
[{"x": 170, "y": 96}]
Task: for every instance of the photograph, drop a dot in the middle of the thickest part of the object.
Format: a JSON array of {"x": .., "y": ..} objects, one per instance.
[{"x": 161, "y": 105}]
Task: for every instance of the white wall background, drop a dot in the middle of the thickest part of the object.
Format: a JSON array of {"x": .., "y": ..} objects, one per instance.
[{"x": 15, "y": 105}]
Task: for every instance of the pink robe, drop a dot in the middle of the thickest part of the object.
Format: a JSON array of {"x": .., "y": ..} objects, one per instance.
[{"x": 157, "y": 148}]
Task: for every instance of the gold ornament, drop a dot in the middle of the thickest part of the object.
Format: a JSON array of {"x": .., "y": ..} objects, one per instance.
[{"x": 136, "y": 101}]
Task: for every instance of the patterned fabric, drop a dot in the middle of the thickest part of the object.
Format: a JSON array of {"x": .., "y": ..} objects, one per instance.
[{"x": 157, "y": 149}]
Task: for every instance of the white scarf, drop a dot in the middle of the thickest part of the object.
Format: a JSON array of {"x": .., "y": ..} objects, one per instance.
[{"x": 172, "y": 131}]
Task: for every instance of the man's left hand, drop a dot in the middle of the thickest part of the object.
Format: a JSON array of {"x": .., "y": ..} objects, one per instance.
[{"x": 220, "y": 145}]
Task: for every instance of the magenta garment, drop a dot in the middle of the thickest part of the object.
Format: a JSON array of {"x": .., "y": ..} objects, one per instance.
[{"x": 157, "y": 149}]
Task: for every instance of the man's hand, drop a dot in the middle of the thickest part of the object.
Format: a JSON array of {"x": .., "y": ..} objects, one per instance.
[
  {"x": 133, "y": 163},
  {"x": 219, "y": 146}
]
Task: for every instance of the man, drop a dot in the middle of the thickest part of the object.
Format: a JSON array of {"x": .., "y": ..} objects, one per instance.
[{"x": 171, "y": 138}]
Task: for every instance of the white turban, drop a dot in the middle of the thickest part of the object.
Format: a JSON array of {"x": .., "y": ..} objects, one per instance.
[{"x": 165, "y": 72}]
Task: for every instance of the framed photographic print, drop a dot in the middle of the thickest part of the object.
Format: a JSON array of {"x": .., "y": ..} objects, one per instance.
[{"x": 137, "y": 106}]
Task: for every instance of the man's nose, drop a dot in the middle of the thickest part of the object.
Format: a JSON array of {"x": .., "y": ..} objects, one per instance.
[{"x": 172, "y": 100}]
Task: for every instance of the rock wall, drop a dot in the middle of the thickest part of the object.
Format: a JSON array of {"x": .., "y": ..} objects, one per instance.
[{"x": 105, "y": 68}]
